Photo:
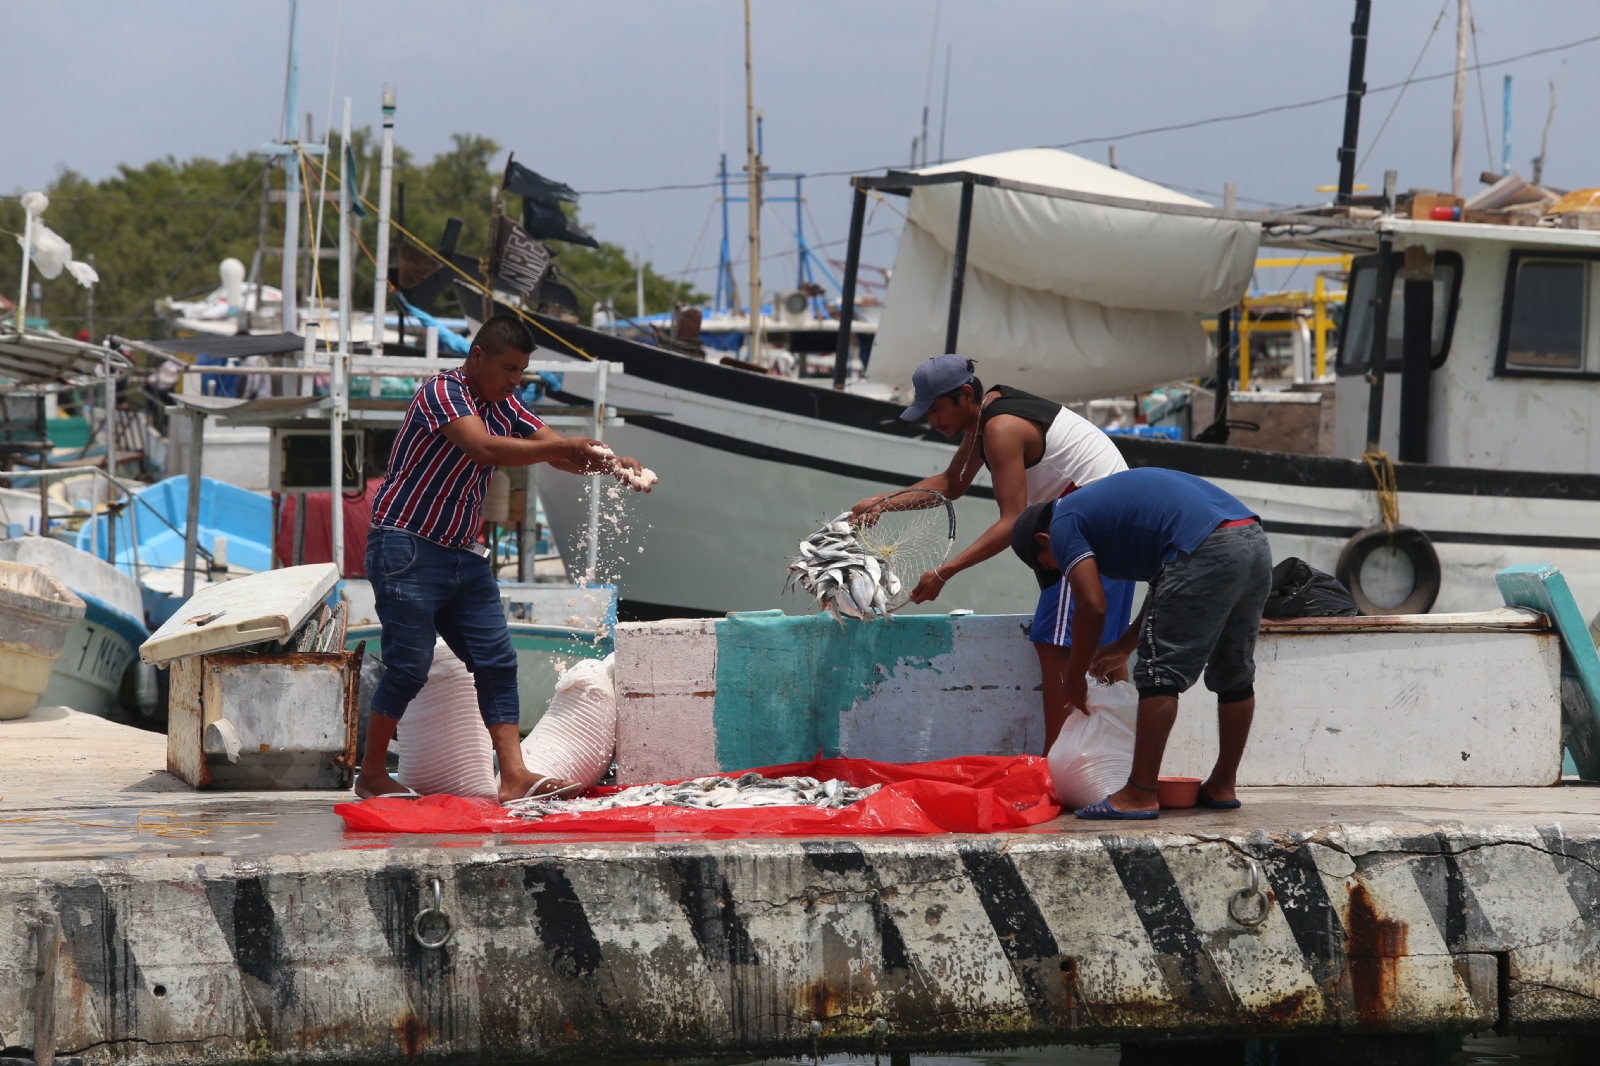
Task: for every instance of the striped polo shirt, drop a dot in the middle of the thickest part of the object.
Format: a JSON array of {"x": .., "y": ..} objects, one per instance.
[{"x": 432, "y": 489}]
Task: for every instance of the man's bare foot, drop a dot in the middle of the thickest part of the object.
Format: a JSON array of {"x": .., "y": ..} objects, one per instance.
[
  {"x": 1132, "y": 798},
  {"x": 368, "y": 786},
  {"x": 523, "y": 784}
]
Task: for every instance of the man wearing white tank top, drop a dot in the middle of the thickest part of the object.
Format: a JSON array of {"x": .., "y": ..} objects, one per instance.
[{"x": 1035, "y": 450}]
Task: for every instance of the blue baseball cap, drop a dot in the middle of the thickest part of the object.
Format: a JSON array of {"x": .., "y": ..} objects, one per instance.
[{"x": 934, "y": 378}]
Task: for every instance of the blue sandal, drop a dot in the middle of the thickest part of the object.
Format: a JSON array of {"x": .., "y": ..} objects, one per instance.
[
  {"x": 1104, "y": 812},
  {"x": 1203, "y": 800}
]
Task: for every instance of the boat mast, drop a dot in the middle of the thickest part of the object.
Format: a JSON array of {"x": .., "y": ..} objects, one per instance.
[
  {"x": 380, "y": 266},
  {"x": 753, "y": 167},
  {"x": 338, "y": 379},
  {"x": 727, "y": 288},
  {"x": 1463, "y": 22},
  {"x": 291, "y": 170},
  {"x": 1356, "y": 89}
]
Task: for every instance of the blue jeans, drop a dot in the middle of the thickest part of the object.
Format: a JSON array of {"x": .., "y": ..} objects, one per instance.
[{"x": 424, "y": 591}]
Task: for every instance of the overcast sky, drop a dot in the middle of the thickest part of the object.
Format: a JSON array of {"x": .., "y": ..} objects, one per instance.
[{"x": 608, "y": 94}]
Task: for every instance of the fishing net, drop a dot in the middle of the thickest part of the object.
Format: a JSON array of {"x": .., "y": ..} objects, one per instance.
[{"x": 910, "y": 532}]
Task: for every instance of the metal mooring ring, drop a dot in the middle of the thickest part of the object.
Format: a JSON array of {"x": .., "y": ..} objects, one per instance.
[
  {"x": 416, "y": 923},
  {"x": 1241, "y": 898}
]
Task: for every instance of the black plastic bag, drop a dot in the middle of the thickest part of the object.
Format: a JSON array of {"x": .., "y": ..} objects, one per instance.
[{"x": 1300, "y": 591}]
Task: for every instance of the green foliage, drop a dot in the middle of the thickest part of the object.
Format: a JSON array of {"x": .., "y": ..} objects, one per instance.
[{"x": 141, "y": 224}]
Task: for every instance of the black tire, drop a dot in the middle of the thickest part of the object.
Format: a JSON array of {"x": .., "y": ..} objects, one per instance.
[{"x": 1415, "y": 545}]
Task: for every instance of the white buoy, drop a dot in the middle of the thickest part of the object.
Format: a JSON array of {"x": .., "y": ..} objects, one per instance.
[{"x": 232, "y": 272}]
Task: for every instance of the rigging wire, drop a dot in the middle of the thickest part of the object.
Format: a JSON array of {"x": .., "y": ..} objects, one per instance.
[
  {"x": 1483, "y": 102},
  {"x": 1372, "y": 144}
]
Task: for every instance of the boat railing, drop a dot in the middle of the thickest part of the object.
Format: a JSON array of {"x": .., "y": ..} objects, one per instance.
[{"x": 130, "y": 490}]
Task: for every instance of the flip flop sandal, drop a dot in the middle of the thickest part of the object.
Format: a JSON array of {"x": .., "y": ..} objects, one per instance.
[
  {"x": 408, "y": 794},
  {"x": 1203, "y": 800},
  {"x": 1104, "y": 812},
  {"x": 555, "y": 793}
]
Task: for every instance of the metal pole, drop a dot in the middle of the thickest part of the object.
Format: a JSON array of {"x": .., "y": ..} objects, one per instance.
[
  {"x": 1319, "y": 313},
  {"x": 601, "y": 373},
  {"x": 1244, "y": 346},
  {"x": 1352, "y": 101},
  {"x": 724, "y": 299},
  {"x": 291, "y": 170},
  {"x": 1379, "y": 360},
  {"x": 958, "y": 270},
  {"x": 1505, "y": 127},
  {"x": 338, "y": 385},
  {"x": 21, "y": 311},
  {"x": 1458, "y": 102},
  {"x": 753, "y": 166},
  {"x": 133, "y": 536},
  {"x": 847, "y": 291},
  {"x": 44, "y": 495},
  {"x": 1219, "y": 414},
  {"x": 191, "y": 526},
  {"x": 1415, "y": 354},
  {"x": 380, "y": 272}
]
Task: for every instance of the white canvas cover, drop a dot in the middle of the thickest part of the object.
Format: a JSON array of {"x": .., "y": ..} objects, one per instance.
[{"x": 1066, "y": 298}]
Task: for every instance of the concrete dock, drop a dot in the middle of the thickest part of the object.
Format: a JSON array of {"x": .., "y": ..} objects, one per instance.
[{"x": 201, "y": 928}]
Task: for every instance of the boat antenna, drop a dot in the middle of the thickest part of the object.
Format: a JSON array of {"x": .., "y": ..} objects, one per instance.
[
  {"x": 927, "y": 88},
  {"x": 944, "y": 107},
  {"x": 753, "y": 168},
  {"x": 1457, "y": 101},
  {"x": 1356, "y": 89},
  {"x": 1544, "y": 141}
]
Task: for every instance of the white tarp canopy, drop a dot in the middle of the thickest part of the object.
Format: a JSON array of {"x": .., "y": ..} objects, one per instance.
[{"x": 1068, "y": 298}]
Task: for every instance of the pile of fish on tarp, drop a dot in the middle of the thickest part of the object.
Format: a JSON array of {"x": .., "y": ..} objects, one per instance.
[
  {"x": 708, "y": 794},
  {"x": 847, "y": 578}
]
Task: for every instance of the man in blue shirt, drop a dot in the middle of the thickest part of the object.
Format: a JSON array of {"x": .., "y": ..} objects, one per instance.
[{"x": 1206, "y": 558}]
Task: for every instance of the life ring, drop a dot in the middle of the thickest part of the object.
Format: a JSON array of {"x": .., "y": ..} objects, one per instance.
[{"x": 1414, "y": 545}]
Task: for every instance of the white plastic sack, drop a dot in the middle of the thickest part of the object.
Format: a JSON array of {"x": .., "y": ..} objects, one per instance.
[
  {"x": 1093, "y": 755},
  {"x": 444, "y": 745},
  {"x": 578, "y": 734}
]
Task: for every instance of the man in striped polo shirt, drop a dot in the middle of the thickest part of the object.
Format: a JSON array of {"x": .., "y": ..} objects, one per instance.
[{"x": 430, "y": 576}]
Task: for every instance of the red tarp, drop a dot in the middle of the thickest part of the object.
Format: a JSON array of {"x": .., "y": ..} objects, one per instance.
[
  {"x": 319, "y": 533},
  {"x": 971, "y": 794}
]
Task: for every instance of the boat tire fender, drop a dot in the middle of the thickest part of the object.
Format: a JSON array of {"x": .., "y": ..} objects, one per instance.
[{"x": 1414, "y": 544}]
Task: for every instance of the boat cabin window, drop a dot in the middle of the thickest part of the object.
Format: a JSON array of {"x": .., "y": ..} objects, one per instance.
[
  {"x": 1355, "y": 340},
  {"x": 1546, "y": 329}
]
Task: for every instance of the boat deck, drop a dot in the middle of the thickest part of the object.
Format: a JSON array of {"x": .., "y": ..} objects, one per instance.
[{"x": 204, "y": 927}]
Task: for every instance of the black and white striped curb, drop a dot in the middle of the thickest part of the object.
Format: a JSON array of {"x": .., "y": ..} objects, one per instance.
[{"x": 572, "y": 950}]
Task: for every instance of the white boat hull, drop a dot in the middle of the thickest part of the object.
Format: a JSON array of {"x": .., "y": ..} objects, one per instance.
[
  {"x": 720, "y": 529},
  {"x": 99, "y": 647},
  {"x": 742, "y": 481},
  {"x": 88, "y": 675}
]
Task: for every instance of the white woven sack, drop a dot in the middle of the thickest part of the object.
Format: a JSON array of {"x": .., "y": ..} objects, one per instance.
[
  {"x": 578, "y": 734},
  {"x": 1093, "y": 754},
  {"x": 444, "y": 745}
]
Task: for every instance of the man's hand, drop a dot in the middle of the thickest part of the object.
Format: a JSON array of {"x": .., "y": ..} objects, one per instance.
[
  {"x": 587, "y": 456},
  {"x": 864, "y": 514},
  {"x": 1109, "y": 659},
  {"x": 1075, "y": 692},
  {"x": 928, "y": 587},
  {"x": 632, "y": 473}
]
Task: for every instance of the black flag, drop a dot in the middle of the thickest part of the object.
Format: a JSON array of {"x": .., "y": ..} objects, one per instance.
[{"x": 542, "y": 216}]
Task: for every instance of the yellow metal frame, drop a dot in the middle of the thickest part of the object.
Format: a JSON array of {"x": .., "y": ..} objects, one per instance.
[{"x": 1317, "y": 299}]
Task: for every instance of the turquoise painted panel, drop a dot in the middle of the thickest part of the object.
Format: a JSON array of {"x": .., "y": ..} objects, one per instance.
[
  {"x": 1543, "y": 588},
  {"x": 783, "y": 681}
]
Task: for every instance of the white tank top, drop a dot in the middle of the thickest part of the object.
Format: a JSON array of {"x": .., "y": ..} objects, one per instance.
[{"x": 1076, "y": 451}]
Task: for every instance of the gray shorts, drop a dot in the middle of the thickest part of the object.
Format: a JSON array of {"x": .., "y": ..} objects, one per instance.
[{"x": 1204, "y": 613}]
